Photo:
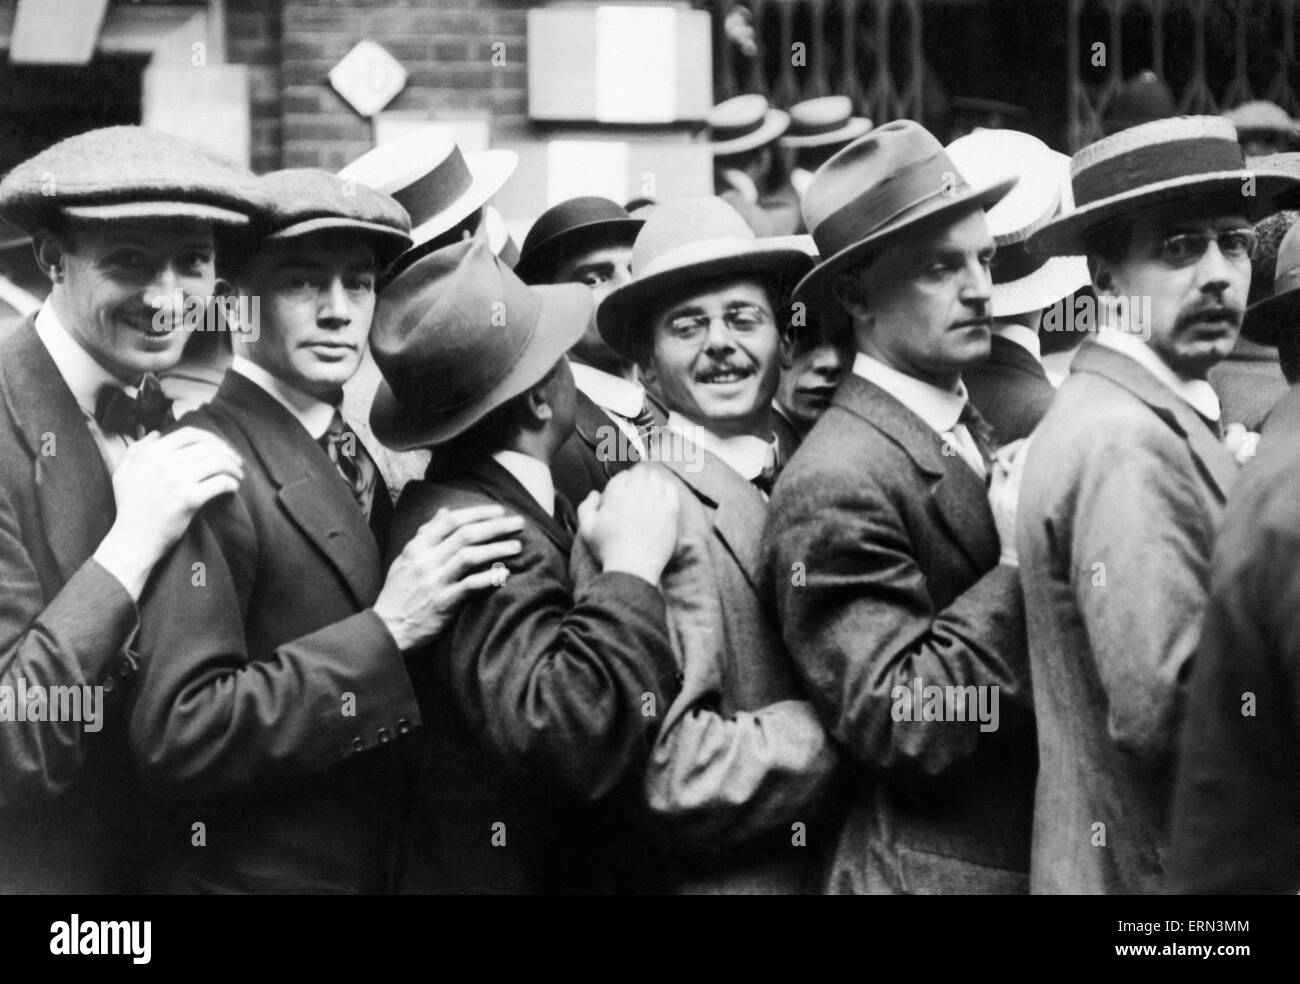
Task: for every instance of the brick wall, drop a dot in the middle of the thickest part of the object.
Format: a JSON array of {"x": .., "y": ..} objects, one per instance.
[{"x": 445, "y": 45}]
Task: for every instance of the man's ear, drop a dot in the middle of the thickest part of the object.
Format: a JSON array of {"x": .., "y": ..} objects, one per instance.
[
  {"x": 786, "y": 349},
  {"x": 849, "y": 292},
  {"x": 50, "y": 249},
  {"x": 539, "y": 400}
]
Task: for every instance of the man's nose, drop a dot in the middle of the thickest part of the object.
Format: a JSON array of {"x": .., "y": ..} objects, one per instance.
[
  {"x": 1214, "y": 271},
  {"x": 719, "y": 337},
  {"x": 333, "y": 308},
  {"x": 977, "y": 291}
]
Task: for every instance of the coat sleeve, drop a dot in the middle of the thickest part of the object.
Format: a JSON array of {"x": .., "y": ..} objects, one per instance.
[
  {"x": 210, "y": 716},
  {"x": 1141, "y": 543},
  {"x": 67, "y": 642},
  {"x": 861, "y": 624},
  {"x": 561, "y": 684},
  {"x": 717, "y": 779}
]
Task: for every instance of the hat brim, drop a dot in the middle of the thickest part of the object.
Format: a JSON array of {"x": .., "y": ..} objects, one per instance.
[
  {"x": 157, "y": 210},
  {"x": 489, "y": 170},
  {"x": 1064, "y": 236},
  {"x": 854, "y": 128},
  {"x": 622, "y": 316},
  {"x": 775, "y": 123},
  {"x": 389, "y": 243},
  {"x": 538, "y": 264},
  {"x": 1056, "y": 279},
  {"x": 1269, "y": 321},
  {"x": 814, "y": 289},
  {"x": 562, "y": 321}
]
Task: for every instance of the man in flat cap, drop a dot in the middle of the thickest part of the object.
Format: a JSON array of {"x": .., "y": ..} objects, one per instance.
[
  {"x": 895, "y": 576},
  {"x": 589, "y": 241},
  {"x": 124, "y": 222},
  {"x": 1124, "y": 486},
  {"x": 540, "y": 700},
  {"x": 274, "y": 681}
]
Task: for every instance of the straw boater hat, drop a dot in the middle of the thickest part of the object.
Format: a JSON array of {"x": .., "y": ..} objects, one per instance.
[
  {"x": 447, "y": 358},
  {"x": 1259, "y": 117},
  {"x": 437, "y": 185},
  {"x": 883, "y": 184},
  {"x": 1022, "y": 282},
  {"x": 1182, "y": 158},
  {"x": 127, "y": 172},
  {"x": 684, "y": 243},
  {"x": 822, "y": 122},
  {"x": 565, "y": 226},
  {"x": 744, "y": 123}
]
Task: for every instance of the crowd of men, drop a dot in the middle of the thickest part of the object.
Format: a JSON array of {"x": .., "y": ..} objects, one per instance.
[{"x": 876, "y": 529}]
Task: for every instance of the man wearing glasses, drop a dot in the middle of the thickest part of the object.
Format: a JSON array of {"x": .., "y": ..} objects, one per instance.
[{"x": 1123, "y": 487}]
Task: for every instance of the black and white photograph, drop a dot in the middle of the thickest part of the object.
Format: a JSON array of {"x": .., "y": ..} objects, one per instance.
[{"x": 675, "y": 447}]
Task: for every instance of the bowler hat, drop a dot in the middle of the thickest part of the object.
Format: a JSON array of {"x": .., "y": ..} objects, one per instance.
[
  {"x": 1021, "y": 281},
  {"x": 1142, "y": 98},
  {"x": 457, "y": 335},
  {"x": 566, "y": 225},
  {"x": 1269, "y": 321},
  {"x": 428, "y": 175},
  {"x": 822, "y": 122},
  {"x": 881, "y": 185},
  {"x": 303, "y": 200},
  {"x": 685, "y": 242},
  {"x": 127, "y": 172},
  {"x": 1186, "y": 157},
  {"x": 744, "y": 123}
]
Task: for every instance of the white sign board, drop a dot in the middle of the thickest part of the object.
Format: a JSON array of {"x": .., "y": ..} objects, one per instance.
[
  {"x": 368, "y": 77},
  {"x": 635, "y": 64}
]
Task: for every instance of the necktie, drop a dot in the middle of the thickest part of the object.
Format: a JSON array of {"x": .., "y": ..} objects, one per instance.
[
  {"x": 564, "y": 514},
  {"x": 765, "y": 479},
  {"x": 982, "y": 434},
  {"x": 644, "y": 421},
  {"x": 352, "y": 460},
  {"x": 133, "y": 416}
]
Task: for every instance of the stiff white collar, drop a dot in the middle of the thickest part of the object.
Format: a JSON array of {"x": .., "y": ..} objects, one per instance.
[
  {"x": 533, "y": 474},
  {"x": 78, "y": 367},
  {"x": 940, "y": 409},
  {"x": 1197, "y": 393},
  {"x": 745, "y": 454},
  {"x": 607, "y": 391},
  {"x": 314, "y": 415}
]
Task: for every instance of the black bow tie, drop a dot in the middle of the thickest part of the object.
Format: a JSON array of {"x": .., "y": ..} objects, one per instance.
[{"x": 133, "y": 417}]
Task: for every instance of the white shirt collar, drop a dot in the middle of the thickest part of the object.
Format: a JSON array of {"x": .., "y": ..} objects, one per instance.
[
  {"x": 533, "y": 474},
  {"x": 800, "y": 178},
  {"x": 1198, "y": 393},
  {"x": 939, "y": 409},
  {"x": 1026, "y": 338},
  {"x": 314, "y": 415},
  {"x": 607, "y": 391},
  {"x": 78, "y": 367},
  {"x": 745, "y": 454}
]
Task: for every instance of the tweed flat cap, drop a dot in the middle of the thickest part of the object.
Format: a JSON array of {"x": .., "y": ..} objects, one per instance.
[
  {"x": 127, "y": 172},
  {"x": 303, "y": 200}
]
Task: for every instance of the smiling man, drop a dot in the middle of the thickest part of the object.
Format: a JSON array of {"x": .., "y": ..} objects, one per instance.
[
  {"x": 275, "y": 678},
  {"x": 1124, "y": 486},
  {"x": 893, "y": 572}
]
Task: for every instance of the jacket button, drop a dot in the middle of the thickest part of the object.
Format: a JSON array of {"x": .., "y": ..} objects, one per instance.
[
  {"x": 109, "y": 685},
  {"x": 403, "y": 726},
  {"x": 383, "y": 735},
  {"x": 358, "y": 745}
]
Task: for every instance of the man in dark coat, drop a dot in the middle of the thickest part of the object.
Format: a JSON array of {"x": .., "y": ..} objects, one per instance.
[
  {"x": 541, "y": 700},
  {"x": 275, "y": 688},
  {"x": 123, "y": 220},
  {"x": 895, "y": 578}
]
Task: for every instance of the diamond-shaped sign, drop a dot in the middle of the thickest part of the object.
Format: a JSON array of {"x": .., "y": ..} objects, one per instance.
[{"x": 368, "y": 77}]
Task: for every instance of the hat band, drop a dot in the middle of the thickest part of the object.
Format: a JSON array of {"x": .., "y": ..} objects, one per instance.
[
  {"x": 798, "y": 129},
  {"x": 430, "y": 194},
  {"x": 1014, "y": 262},
  {"x": 901, "y": 192},
  {"x": 723, "y": 134},
  {"x": 1153, "y": 163}
]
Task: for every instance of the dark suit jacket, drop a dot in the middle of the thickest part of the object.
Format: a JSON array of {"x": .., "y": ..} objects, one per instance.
[
  {"x": 1121, "y": 496},
  {"x": 1236, "y": 812},
  {"x": 271, "y": 683},
  {"x": 741, "y": 757},
  {"x": 69, "y": 814},
  {"x": 884, "y": 556},
  {"x": 540, "y": 703},
  {"x": 1011, "y": 390},
  {"x": 594, "y": 453}
]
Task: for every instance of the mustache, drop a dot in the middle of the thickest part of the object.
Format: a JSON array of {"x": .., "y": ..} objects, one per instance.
[{"x": 1211, "y": 312}]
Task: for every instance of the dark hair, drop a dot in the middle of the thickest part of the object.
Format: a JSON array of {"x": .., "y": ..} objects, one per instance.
[
  {"x": 1110, "y": 240},
  {"x": 494, "y": 431},
  {"x": 575, "y": 246}
]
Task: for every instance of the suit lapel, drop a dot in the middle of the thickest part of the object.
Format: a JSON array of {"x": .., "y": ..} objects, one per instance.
[
  {"x": 73, "y": 488},
  {"x": 1007, "y": 353},
  {"x": 489, "y": 477},
  {"x": 1212, "y": 458},
  {"x": 311, "y": 492},
  {"x": 739, "y": 509},
  {"x": 959, "y": 495},
  {"x": 595, "y": 428}
]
